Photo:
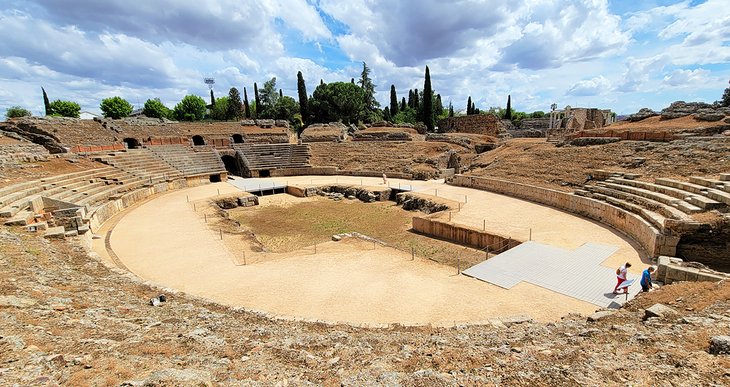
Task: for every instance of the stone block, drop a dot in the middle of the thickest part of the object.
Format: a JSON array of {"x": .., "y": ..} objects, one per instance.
[
  {"x": 659, "y": 310},
  {"x": 600, "y": 315},
  {"x": 719, "y": 345},
  {"x": 55, "y": 233}
]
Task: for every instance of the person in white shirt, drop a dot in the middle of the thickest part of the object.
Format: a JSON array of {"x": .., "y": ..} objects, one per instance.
[{"x": 621, "y": 276}]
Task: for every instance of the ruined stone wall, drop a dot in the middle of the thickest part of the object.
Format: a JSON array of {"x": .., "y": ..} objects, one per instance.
[
  {"x": 461, "y": 234},
  {"x": 488, "y": 124},
  {"x": 11, "y": 154},
  {"x": 101, "y": 133},
  {"x": 645, "y": 234}
]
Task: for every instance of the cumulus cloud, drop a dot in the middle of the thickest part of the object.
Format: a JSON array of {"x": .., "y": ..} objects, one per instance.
[
  {"x": 686, "y": 78},
  {"x": 590, "y": 87}
]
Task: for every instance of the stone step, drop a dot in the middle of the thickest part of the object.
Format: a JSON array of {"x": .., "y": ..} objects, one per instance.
[
  {"x": 57, "y": 232},
  {"x": 656, "y": 193},
  {"x": 725, "y": 177},
  {"x": 713, "y": 194}
]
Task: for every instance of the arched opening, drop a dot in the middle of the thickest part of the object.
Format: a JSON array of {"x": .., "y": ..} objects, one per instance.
[
  {"x": 231, "y": 165},
  {"x": 264, "y": 173},
  {"x": 131, "y": 143},
  {"x": 215, "y": 178},
  {"x": 237, "y": 139},
  {"x": 198, "y": 140}
]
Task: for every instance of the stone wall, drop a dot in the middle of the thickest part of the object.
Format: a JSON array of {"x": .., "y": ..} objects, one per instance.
[
  {"x": 12, "y": 154},
  {"x": 673, "y": 269},
  {"x": 488, "y": 124},
  {"x": 461, "y": 234},
  {"x": 660, "y": 136},
  {"x": 648, "y": 237}
]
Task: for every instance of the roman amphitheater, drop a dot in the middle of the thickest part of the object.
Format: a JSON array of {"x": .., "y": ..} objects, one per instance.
[{"x": 365, "y": 255}]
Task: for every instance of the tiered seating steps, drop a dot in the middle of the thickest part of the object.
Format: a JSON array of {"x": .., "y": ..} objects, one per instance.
[
  {"x": 666, "y": 203},
  {"x": 275, "y": 156},
  {"x": 142, "y": 163},
  {"x": 189, "y": 161}
]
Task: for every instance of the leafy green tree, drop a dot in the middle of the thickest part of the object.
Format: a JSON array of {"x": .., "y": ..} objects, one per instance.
[
  {"x": 285, "y": 109},
  {"x": 405, "y": 116},
  {"x": 393, "y": 101},
  {"x": 537, "y": 114},
  {"x": 234, "y": 110},
  {"x": 155, "y": 109},
  {"x": 337, "y": 101},
  {"x": 65, "y": 109},
  {"x": 246, "y": 107},
  {"x": 725, "y": 98},
  {"x": 219, "y": 111},
  {"x": 46, "y": 102},
  {"x": 191, "y": 108},
  {"x": 508, "y": 112},
  {"x": 17, "y": 112},
  {"x": 303, "y": 99},
  {"x": 469, "y": 106},
  {"x": 115, "y": 107},
  {"x": 428, "y": 102},
  {"x": 267, "y": 99},
  {"x": 386, "y": 114},
  {"x": 257, "y": 101}
]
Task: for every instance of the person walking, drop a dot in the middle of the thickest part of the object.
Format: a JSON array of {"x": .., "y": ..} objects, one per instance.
[
  {"x": 621, "y": 275},
  {"x": 646, "y": 283}
]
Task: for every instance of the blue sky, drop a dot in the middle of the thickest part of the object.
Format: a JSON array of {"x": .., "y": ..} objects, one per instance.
[{"x": 622, "y": 55}]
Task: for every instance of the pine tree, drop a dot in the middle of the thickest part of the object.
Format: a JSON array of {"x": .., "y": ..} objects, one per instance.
[
  {"x": 368, "y": 88},
  {"x": 234, "y": 109},
  {"x": 303, "y": 100},
  {"x": 468, "y": 106},
  {"x": 508, "y": 113},
  {"x": 246, "y": 107},
  {"x": 393, "y": 101},
  {"x": 257, "y": 99},
  {"x": 46, "y": 102},
  {"x": 428, "y": 102}
]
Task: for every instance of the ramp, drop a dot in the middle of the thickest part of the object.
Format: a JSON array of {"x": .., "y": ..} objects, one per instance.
[
  {"x": 575, "y": 273},
  {"x": 254, "y": 185}
]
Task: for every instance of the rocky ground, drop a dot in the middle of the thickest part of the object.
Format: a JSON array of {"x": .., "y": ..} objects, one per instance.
[{"x": 67, "y": 319}]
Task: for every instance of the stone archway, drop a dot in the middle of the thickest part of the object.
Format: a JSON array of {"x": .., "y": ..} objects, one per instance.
[
  {"x": 198, "y": 140},
  {"x": 131, "y": 143},
  {"x": 231, "y": 165},
  {"x": 237, "y": 138}
]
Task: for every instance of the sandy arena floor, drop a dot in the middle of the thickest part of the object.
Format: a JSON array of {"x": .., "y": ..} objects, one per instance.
[{"x": 164, "y": 240}]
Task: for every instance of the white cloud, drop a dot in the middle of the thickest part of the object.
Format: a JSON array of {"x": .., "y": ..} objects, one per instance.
[
  {"x": 686, "y": 78},
  {"x": 590, "y": 87}
]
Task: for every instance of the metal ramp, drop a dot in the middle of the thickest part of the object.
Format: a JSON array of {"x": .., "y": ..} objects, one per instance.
[{"x": 577, "y": 273}]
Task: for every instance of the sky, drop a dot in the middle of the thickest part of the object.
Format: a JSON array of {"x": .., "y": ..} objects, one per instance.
[{"x": 619, "y": 55}]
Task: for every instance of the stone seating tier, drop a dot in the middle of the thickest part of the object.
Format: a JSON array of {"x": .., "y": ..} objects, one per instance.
[
  {"x": 273, "y": 156},
  {"x": 189, "y": 161}
]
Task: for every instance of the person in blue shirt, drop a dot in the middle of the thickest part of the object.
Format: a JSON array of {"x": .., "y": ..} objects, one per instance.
[{"x": 646, "y": 279}]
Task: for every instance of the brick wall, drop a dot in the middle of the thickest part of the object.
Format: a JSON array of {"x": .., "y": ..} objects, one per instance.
[{"x": 488, "y": 124}]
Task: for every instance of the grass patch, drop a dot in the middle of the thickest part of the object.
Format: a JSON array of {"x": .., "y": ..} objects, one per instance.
[{"x": 288, "y": 228}]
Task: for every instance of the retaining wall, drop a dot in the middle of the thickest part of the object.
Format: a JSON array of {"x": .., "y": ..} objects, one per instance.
[
  {"x": 647, "y": 236},
  {"x": 461, "y": 234},
  {"x": 669, "y": 271}
]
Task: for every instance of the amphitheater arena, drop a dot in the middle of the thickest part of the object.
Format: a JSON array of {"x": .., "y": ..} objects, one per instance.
[{"x": 139, "y": 197}]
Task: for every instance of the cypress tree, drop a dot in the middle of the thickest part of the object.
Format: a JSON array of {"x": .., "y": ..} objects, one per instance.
[
  {"x": 393, "y": 101},
  {"x": 403, "y": 104},
  {"x": 281, "y": 94},
  {"x": 428, "y": 102},
  {"x": 246, "y": 108},
  {"x": 386, "y": 115},
  {"x": 352, "y": 80},
  {"x": 258, "y": 100},
  {"x": 725, "y": 101},
  {"x": 46, "y": 102},
  {"x": 451, "y": 109},
  {"x": 508, "y": 113},
  {"x": 468, "y": 106},
  {"x": 233, "y": 110},
  {"x": 410, "y": 98},
  {"x": 303, "y": 100},
  {"x": 321, "y": 82}
]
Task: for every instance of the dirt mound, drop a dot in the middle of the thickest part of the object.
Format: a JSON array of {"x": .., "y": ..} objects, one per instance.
[{"x": 686, "y": 124}]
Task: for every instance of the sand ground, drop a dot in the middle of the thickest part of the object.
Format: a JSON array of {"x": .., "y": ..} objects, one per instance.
[{"x": 166, "y": 240}]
